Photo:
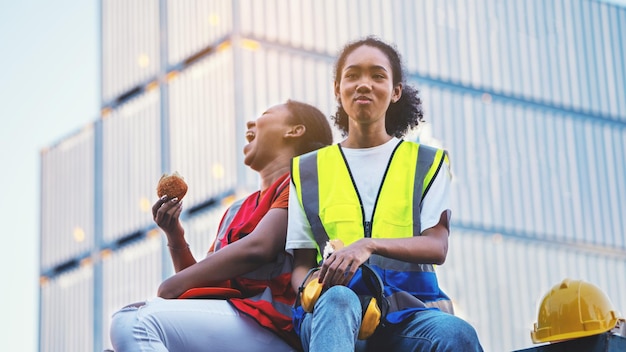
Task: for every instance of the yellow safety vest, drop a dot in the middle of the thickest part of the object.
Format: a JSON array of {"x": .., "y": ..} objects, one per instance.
[{"x": 331, "y": 202}]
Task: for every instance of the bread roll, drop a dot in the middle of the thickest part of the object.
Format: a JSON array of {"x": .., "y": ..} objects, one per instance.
[
  {"x": 331, "y": 247},
  {"x": 174, "y": 186}
]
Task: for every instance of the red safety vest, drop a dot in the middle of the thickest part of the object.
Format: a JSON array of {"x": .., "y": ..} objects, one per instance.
[{"x": 268, "y": 295}]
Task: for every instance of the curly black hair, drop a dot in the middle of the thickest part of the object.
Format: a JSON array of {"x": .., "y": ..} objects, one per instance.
[{"x": 402, "y": 115}]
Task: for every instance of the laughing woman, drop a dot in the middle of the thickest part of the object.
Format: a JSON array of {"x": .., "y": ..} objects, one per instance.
[{"x": 249, "y": 253}]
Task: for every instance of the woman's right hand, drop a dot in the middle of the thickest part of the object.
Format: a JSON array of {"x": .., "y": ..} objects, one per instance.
[{"x": 166, "y": 212}]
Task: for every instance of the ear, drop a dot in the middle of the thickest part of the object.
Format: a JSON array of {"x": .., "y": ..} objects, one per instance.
[
  {"x": 337, "y": 93},
  {"x": 295, "y": 131},
  {"x": 397, "y": 93}
]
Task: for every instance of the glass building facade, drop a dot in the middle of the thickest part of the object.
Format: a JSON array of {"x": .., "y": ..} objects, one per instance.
[{"x": 528, "y": 97}]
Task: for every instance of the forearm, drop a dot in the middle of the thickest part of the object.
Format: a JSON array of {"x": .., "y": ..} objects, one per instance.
[
  {"x": 260, "y": 247},
  {"x": 179, "y": 249},
  {"x": 419, "y": 250},
  {"x": 236, "y": 259},
  {"x": 181, "y": 256},
  {"x": 431, "y": 247},
  {"x": 217, "y": 267},
  {"x": 297, "y": 276},
  {"x": 304, "y": 260},
  {"x": 166, "y": 212}
]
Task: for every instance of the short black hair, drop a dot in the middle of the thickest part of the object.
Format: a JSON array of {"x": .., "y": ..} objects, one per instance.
[{"x": 318, "y": 133}]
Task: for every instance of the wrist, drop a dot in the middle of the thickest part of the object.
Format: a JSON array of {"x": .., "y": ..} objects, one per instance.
[
  {"x": 371, "y": 245},
  {"x": 178, "y": 246}
]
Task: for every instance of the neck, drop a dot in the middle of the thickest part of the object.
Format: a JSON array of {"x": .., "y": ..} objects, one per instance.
[
  {"x": 365, "y": 139},
  {"x": 273, "y": 171},
  {"x": 366, "y": 134}
]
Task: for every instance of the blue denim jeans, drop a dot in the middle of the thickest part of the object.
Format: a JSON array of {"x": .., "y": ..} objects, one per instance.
[{"x": 334, "y": 326}]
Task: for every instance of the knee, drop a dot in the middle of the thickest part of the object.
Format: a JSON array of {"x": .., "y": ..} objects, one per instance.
[
  {"x": 461, "y": 333},
  {"x": 339, "y": 302},
  {"x": 467, "y": 332},
  {"x": 340, "y": 297},
  {"x": 122, "y": 320},
  {"x": 122, "y": 324}
]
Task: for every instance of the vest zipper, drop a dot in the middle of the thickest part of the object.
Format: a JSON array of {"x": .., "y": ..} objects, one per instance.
[{"x": 367, "y": 225}]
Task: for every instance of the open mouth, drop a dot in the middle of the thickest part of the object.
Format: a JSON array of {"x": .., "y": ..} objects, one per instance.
[{"x": 250, "y": 136}]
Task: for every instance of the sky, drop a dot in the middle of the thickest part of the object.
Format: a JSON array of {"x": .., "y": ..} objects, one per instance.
[{"x": 49, "y": 89}]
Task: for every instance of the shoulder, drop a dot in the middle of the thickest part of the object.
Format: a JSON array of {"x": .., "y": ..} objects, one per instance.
[
  {"x": 281, "y": 200},
  {"x": 329, "y": 148},
  {"x": 311, "y": 156},
  {"x": 425, "y": 151},
  {"x": 422, "y": 146},
  {"x": 234, "y": 206}
]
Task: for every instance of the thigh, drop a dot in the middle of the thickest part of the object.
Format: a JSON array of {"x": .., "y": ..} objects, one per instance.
[
  {"x": 206, "y": 325},
  {"x": 429, "y": 330}
]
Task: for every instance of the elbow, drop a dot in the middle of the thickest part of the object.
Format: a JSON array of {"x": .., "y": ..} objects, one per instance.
[
  {"x": 168, "y": 291},
  {"x": 439, "y": 260},
  {"x": 441, "y": 256}
]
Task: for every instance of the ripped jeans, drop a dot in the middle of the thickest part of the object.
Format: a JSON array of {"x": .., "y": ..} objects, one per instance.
[
  {"x": 335, "y": 321},
  {"x": 189, "y": 325}
]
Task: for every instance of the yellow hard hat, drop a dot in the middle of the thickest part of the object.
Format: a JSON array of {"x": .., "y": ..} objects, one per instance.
[{"x": 573, "y": 309}]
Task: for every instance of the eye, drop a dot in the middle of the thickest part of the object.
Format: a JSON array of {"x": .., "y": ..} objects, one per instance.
[{"x": 378, "y": 76}]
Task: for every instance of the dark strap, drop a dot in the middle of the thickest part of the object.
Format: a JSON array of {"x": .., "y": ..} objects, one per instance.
[
  {"x": 281, "y": 188},
  {"x": 374, "y": 284},
  {"x": 309, "y": 183},
  {"x": 425, "y": 158}
]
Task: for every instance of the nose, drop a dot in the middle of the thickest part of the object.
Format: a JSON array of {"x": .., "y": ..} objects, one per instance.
[
  {"x": 250, "y": 124},
  {"x": 364, "y": 86}
]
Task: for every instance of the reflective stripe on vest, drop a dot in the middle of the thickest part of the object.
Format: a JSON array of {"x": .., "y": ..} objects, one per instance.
[{"x": 326, "y": 191}]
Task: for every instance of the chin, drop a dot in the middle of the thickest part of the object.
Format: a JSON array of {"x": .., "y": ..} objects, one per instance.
[
  {"x": 247, "y": 160},
  {"x": 362, "y": 115}
]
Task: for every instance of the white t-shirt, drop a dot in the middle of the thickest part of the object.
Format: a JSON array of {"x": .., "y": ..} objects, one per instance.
[{"x": 367, "y": 166}]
